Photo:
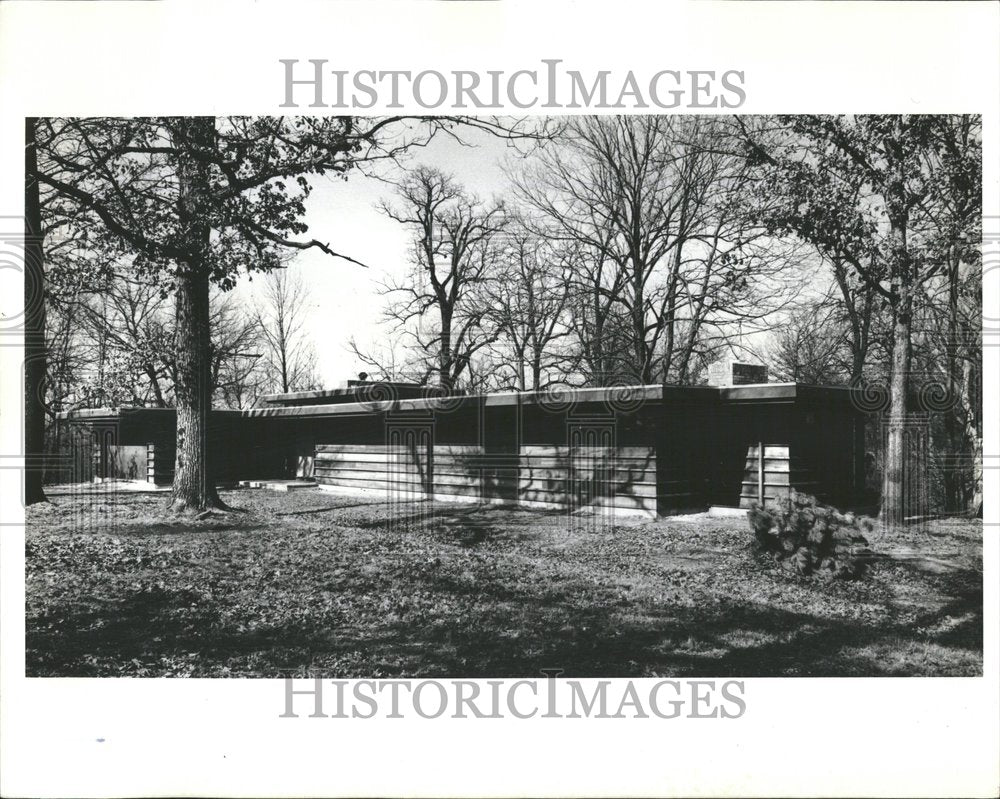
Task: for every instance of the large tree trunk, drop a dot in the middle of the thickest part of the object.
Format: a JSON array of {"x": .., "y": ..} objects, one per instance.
[
  {"x": 894, "y": 499},
  {"x": 34, "y": 326},
  {"x": 893, "y": 493},
  {"x": 194, "y": 487}
]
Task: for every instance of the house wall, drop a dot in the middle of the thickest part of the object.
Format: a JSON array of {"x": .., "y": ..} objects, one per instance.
[{"x": 668, "y": 450}]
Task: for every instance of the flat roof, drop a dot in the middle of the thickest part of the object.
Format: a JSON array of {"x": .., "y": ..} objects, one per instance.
[
  {"x": 128, "y": 410},
  {"x": 555, "y": 399},
  {"x": 624, "y": 397},
  {"x": 340, "y": 393}
]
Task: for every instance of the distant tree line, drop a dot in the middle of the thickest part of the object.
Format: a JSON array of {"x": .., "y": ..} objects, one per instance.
[{"x": 111, "y": 345}]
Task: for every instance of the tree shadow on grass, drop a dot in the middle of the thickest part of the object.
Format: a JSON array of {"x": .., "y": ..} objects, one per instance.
[
  {"x": 620, "y": 639},
  {"x": 145, "y": 633},
  {"x": 330, "y": 509},
  {"x": 458, "y": 515},
  {"x": 505, "y": 630}
]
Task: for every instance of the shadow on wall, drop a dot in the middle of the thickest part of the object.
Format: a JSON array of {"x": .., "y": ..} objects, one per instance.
[{"x": 572, "y": 478}]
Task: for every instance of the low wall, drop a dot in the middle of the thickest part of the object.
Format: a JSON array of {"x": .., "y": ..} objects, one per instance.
[
  {"x": 623, "y": 478},
  {"x": 577, "y": 477}
]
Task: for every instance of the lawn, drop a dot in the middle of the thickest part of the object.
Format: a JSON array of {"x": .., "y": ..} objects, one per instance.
[{"x": 311, "y": 582}]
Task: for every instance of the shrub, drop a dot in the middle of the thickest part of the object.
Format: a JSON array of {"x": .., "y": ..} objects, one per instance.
[{"x": 811, "y": 538}]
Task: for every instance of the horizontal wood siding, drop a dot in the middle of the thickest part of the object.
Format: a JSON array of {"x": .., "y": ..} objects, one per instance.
[
  {"x": 468, "y": 472},
  {"x": 396, "y": 468},
  {"x": 579, "y": 477},
  {"x": 160, "y": 462},
  {"x": 623, "y": 478},
  {"x": 783, "y": 472}
]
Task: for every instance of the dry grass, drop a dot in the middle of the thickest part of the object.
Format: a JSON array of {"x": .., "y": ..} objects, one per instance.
[{"x": 312, "y": 582}]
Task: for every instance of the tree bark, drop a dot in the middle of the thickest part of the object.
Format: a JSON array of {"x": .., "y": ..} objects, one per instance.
[
  {"x": 281, "y": 297},
  {"x": 894, "y": 499},
  {"x": 893, "y": 494},
  {"x": 972, "y": 403},
  {"x": 445, "y": 360},
  {"x": 194, "y": 486},
  {"x": 154, "y": 384},
  {"x": 860, "y": 320},
  {"x": 642, "y": 359},
  {"x": 34, "y": 326}
]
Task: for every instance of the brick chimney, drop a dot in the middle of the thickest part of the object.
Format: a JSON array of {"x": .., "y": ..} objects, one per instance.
[{"x": 729, "y": 372}]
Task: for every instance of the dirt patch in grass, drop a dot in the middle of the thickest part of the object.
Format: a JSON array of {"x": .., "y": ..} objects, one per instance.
[{"x": 311, "y": 582}]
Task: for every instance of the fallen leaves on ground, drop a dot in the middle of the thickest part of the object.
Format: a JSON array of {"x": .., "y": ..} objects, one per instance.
[{"x": 333, "y": 585}]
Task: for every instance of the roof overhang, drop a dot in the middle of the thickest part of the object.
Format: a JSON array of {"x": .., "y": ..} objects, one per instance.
[{"x": 611, "y": 398}]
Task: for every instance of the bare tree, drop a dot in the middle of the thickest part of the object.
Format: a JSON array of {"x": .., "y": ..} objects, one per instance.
[
  {"x": 443, "y": 304},
  {"x": 671, "y": 265},
  {"x": 238, "y": 377},
  {"x": 129, "y": 320},
  {"x": 809, "y": 347},
  {"x": 595, "y": 317},
  {"x": 528, "y": 309},
  {"x": 289, "y": 355},
  {"x": 388, "y": 359}
]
